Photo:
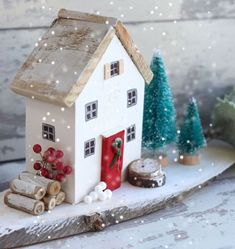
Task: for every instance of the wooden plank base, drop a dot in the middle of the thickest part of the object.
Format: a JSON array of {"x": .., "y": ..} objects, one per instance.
[{"x": 128, "y": 202}]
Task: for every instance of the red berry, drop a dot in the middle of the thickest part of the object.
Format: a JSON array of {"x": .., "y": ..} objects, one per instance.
[
  {"x": 60, "y": 177},
  {"x": 37, "y": 166},
  {"x": 46, "y": 154},
  {"x": 59, "y": 166},
  {"x": 50, "y": 159},
  {"x": 37, "y": 148},
  {"x": 59, "y": 154},
  {"x": 50, "y": 176},
  {"x": 53, "y": 166},
  {"x": 67, "y": 170},
  {"x": 51, "y": 150},
  {"x": 44, "y": 172}
]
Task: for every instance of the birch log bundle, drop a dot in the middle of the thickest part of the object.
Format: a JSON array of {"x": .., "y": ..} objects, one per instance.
[
  {"x": 52, "y": 187},
  {"x": 24, "y": 203},
  {"x": 60, "y": 198},
  {"x": 50, "y": 202},
  {"x": 27, "y": 189},
  {"x": 34, "y": 194}
]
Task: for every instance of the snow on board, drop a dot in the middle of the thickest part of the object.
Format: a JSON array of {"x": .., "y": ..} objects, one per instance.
[{"x": 18, "y": 228}]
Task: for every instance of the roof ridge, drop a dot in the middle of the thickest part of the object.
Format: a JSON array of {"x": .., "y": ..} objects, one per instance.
[
  {"x": 81, "y": 53},
  {"x": 82, "y": 16}
]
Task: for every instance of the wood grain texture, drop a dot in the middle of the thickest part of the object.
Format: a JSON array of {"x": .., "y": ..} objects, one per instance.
[
  {"x": 88, "y": 69},
  {"x": 23, "y": 203},
  {"x": 194, "y": 222},
  {"x": 52, "y": 187},
  {"x": 87, "y": 223},
  {"x": 87, "y": 17},
  {"x": 68, "y": 220},
  {"x": 30, "y": 190},
  {"x": 193, "y": 63},
  {"x": 35, "y": 13},
  {"x": 70, "y": 50},
  {"x": 66, "y": 51},
  {"x": 133, "y": 51},
  {"x": 198, "y": 49}
]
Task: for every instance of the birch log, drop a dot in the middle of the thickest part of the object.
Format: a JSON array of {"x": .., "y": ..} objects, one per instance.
[
  {"x": 50, "y": 202},
  {"x": 27, "y": 189},
  {"x": 24, "y": 203},
  {"x": 60, "y": 198},
  {"x": 52, "y": 187}
]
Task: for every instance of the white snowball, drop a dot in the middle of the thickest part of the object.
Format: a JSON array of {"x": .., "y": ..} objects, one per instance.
[
  {"x": 98, "y": 188},
  {"x": 93, "y": 195},
  {"x": 108, "y": 193},
  {"x": 103, "y": 185},
  {"x": 87, "y": 199},
  {"x": 102, "y": 196}
]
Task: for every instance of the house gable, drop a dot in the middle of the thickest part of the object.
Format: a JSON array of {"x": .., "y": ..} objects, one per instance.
[
  {"x": 62, "y": 62},
  {"x": 113, "y": 115}
]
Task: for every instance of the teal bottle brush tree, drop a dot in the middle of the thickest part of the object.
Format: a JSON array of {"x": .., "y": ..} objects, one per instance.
[
  {"x": 191, "y": 138},
  {"x": 159, "y": 123}
]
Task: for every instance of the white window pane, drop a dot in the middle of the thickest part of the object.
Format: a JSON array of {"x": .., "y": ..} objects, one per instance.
[
  {"x": 91, "y": 110},
  {"x": 131, "y": 97},
  {"x": 89, "y": 147},
  {"x": 130, "y": 133}
]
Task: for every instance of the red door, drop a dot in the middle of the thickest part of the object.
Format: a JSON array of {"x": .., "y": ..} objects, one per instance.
[{"x": 112, "y": 160}]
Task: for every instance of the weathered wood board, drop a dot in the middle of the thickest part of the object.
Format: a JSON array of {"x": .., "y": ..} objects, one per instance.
[
  {"x": 192, "y": 48},
  {"x": 18, "y": 228},
  {"x": 35, "y": 13},
  {"x": 204, "y": 218}
]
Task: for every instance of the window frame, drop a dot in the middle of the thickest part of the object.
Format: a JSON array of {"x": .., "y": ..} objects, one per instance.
[
  {"x": 116, "y": 69},
  {"x": 90, "y": 153},
  {"x": 132, "y": 97},
  {"x": 90, "y": 112},
  {"x": 48, "y": 133},
  {"x": 129, "y": 135}
]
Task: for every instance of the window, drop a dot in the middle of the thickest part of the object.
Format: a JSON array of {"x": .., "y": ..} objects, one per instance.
[
  {"x": 48, "y": 132},
  {"x": 130, "y": 133},
  {"x": 131, "y": 97},
  {"x": 91, "y": 110},
  {"x": 89, "y": 147},
  {"x": 114, "y": 68}
]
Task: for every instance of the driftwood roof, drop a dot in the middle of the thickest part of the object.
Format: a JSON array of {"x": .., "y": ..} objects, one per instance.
[{"x": 63, "y": 60}]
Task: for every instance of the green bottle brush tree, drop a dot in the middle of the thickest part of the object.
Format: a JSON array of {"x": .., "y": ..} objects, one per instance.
[
  {"x": 191, "y": 138},
  {"x": 159, "y": 123}
]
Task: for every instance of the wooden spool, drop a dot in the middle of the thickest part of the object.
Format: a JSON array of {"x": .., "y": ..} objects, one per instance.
[
  {"x": 27, "y": 189},
  {"x": 50, "y": 202},
  {"x": 24, "y": 203},
  {"x": 52, "y": 187},
  {"x": 60, "y": 198},
  {"x": 146, "y": 173}
]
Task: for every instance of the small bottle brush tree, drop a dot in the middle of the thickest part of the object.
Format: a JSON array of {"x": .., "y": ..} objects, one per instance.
[
  {"x": 191, "y": 137},
  {"x": 159, "y": 123}
]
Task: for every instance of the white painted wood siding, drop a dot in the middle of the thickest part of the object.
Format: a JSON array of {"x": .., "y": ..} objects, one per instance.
[
  {"x": 35, "y": 113},
  {"x": 112, "y": 113}
]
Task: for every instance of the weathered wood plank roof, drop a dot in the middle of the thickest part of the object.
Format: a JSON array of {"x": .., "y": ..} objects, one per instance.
[{"x": 63, "y": 60}]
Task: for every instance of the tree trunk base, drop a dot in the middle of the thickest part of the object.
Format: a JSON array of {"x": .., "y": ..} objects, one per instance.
[
  {"x": 189, "y": 159},
  {"x": 163, "y": 160}
]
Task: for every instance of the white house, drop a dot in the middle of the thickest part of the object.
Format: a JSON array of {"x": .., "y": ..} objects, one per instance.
[{"x": 84, "y": 83}]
